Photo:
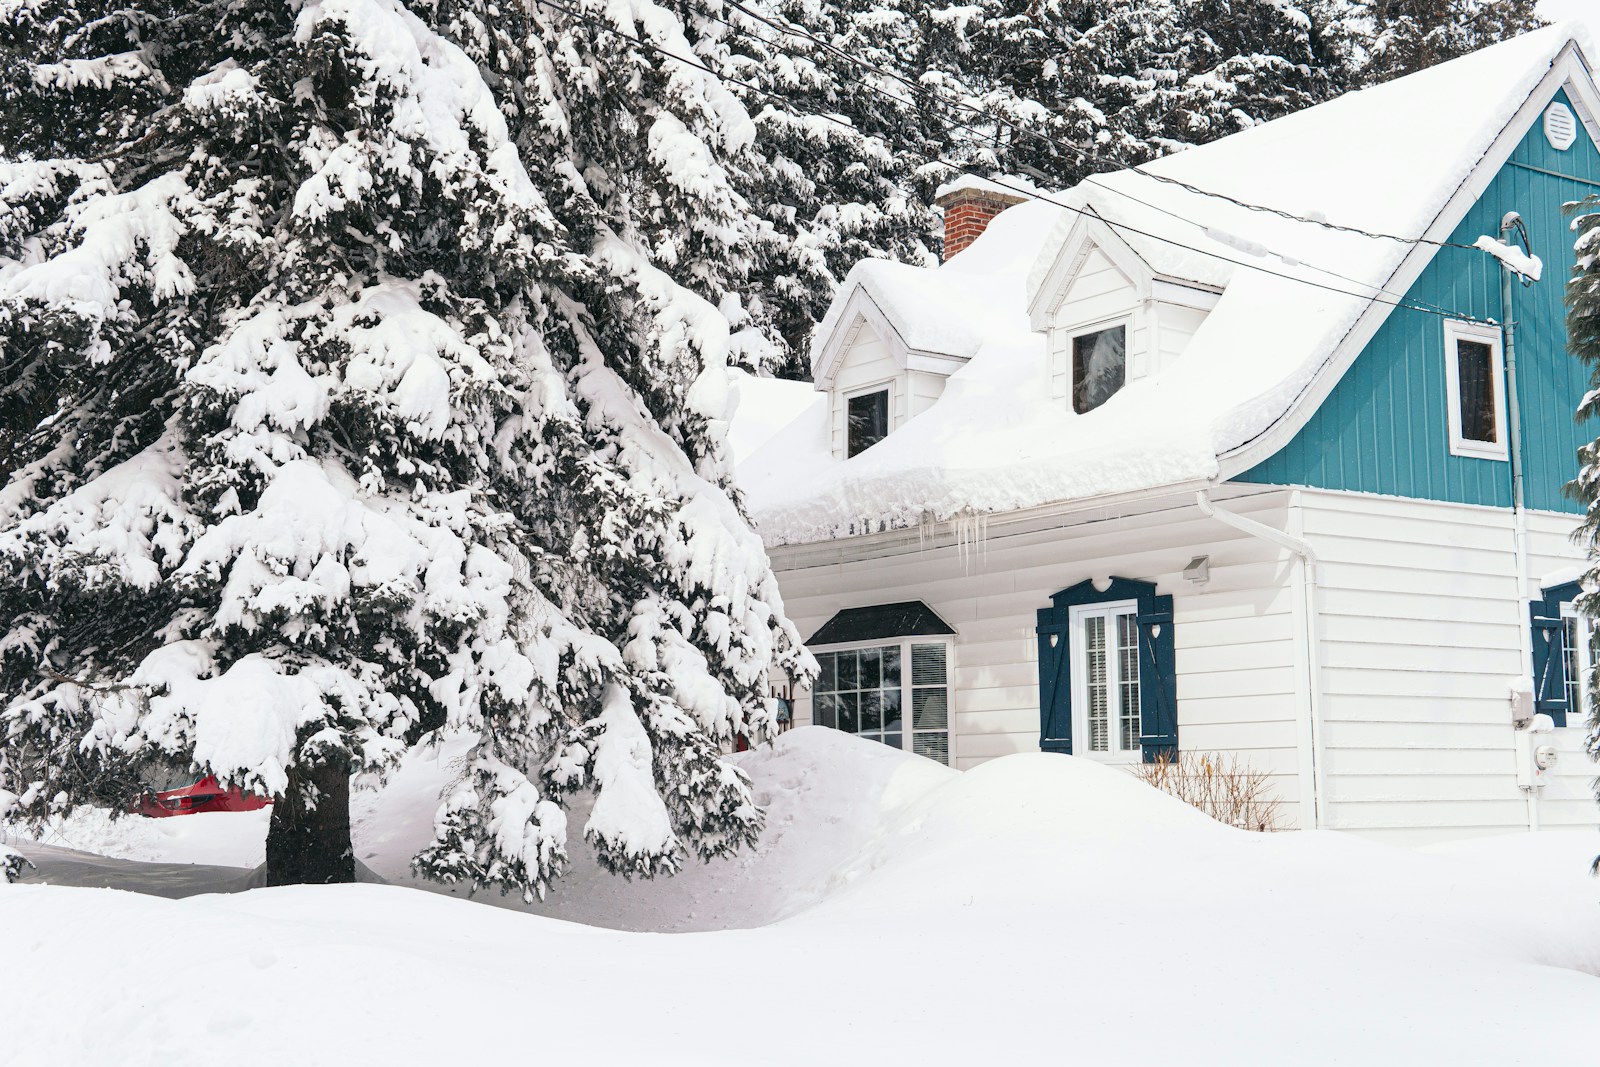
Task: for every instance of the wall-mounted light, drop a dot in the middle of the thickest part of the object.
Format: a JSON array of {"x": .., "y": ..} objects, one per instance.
[{"x": 1198, "y": 572}]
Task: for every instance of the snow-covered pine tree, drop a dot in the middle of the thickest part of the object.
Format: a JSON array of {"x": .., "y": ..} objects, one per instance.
[
  {"x": 1400, "y": 37},
  {"x": 1133, "y": 79},
  {"x": 1583, "y": 341},
  {"x": 371, "y": 365},
  {"x": 842, "y": 148}
]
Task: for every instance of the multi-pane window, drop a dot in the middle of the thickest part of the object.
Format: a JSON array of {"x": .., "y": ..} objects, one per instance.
[
  {"x": 868, "y": 416},
  {"x": 866, "y": 692},
  {"x": 1106, "y": 663},
  {"x": 1474, "y": 371},
  {"x": 1099, "y": 366},
  {"x": 1575, "y": 658}
]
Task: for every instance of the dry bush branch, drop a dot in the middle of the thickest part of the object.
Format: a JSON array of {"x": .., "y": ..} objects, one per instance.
[{"x": 1221, "y": 785}]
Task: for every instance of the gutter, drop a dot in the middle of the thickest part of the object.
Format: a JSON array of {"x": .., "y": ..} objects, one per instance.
[{"x": 1306, "y": 557}]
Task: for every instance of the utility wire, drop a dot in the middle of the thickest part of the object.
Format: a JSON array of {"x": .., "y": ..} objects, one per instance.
[
  {"x": 928, "y": 93},
  {"x": 1027, "y": 194},
  {"x": 1087, "y": 154}
]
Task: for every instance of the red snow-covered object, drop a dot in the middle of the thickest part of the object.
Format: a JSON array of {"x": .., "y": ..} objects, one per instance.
[{"x": 205, "y": 795}]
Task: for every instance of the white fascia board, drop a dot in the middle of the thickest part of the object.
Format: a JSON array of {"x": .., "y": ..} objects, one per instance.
[
  {"x": 936, "y": 362},
  {"x": 1567, "y": 71},
  {"x": 1088, "y": 232},
  {"x": 1185, "y": 294},
  {"x": 859, "y": 309}
]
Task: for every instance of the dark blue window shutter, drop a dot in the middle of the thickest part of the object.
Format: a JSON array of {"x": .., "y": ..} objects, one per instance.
[
  {"x": 1158, "y": 680},
  {"x": 1549, "y": 660},
  {"x": 1158, "y": 688},
  {"x": 1055, "y": 684}
]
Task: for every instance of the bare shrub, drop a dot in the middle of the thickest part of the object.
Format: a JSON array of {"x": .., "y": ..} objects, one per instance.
[{"x": 1221, "y": 785}]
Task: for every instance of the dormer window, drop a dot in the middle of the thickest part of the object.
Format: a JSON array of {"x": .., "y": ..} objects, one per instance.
[
  {"x": 1099, "y": 366},
  {"x": 868, "y": 421}
]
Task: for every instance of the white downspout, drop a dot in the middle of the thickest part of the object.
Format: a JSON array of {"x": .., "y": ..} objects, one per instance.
[
  {"x": 1519, "y": 514},
  {"x": 1306, "y": 557}
]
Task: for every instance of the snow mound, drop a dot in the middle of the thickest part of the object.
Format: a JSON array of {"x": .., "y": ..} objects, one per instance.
[{"x": 911, "y": 914}]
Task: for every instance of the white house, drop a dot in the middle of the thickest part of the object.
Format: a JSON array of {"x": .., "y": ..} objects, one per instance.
[{"x": 1249, "y": 450}]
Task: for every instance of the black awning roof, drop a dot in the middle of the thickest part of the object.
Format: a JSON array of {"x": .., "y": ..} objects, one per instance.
[{"x": 910, "y": 618}]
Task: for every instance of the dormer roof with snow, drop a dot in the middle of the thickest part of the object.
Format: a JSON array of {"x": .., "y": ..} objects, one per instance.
[{"x": 1265, "y": 239}]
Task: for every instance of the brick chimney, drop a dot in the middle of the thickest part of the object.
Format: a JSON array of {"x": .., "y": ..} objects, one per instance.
[{"x": 969, "y": 203}]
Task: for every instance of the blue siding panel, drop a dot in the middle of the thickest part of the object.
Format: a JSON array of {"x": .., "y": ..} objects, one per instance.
[{"x": 1384, "y": 428}]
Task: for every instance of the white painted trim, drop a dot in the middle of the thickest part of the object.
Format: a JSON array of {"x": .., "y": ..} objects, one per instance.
[
  {"x": 1185, "y": 294},
  {"x": 1578, "y": 716},
  {"x": 861, "y": 310},
  {"x": 1089, "y": 232},
  {"x": 1079, "y": 653},
  {"x": 908, "y": 727},
  {"x": 1568, "y": 71},
  {"x": 1454, "y": 332},
  {"x": 1125, "y": 321},
  {"x": 882, "y": 385}
]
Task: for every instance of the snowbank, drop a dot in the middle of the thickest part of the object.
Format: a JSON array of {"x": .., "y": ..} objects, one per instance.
[{"x": 1034, "y": 908}]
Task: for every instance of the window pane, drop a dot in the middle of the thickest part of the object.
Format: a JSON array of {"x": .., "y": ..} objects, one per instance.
[
  {"x": 824, "y": 710},
  {"x": 1569, "y": 654},
  {"x": 933, "y": 746},
  {"x": 891, "y": 667},
  {"x": 1099, "y": 367},
  {"x": 871, "y": 668},
  {"x": 1128, "y": 680},
  {"x": 871, "y": 710},
  {"x": 1095, "y": 669},
  {"x": 891, "y": 709},
  {"x": 825, "y": 675},
  {"x": 869, "y": 421},
  {"x": 929, "y": 709},
  {"x": 849, "y": 720},
  {"x": 1475, "y": 375},
  {"x": 893, "y": 740},
  {"x": 927, "y": 665},
  {"x": 846, "y": 665}
]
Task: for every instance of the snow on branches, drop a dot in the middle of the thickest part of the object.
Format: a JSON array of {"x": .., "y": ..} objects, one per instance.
[{"x": 376, "y": 388}]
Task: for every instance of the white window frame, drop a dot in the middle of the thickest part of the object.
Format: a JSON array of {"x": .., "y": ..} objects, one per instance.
[
  {"x": 1079, "y": 651},
  {"x": 1075, "y": 332},
  {"x": 904, "y": 644},
  {"x": 1577, "y": 715},
  {"x": 887, "y": 386},
  {"x": 1454, "y": 331}
]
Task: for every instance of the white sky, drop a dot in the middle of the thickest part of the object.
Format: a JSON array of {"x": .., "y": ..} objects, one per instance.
[{"x": 1588, "y": 10}]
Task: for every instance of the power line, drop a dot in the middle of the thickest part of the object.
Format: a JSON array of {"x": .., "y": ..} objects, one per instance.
[
  {"x": 937, "y": 98},
  {"x": 1028, "y": 194},
  {"x": 792, "y": 30}
]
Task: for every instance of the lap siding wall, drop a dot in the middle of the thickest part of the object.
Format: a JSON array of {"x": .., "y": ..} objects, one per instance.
[
  {"x": 1422, "y": 624},
  {"x": 1238, "y": 682}
]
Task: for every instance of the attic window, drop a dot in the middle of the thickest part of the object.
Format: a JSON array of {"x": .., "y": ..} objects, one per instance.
[
  {"x": 1474, "y": 372},
  {"x": 869, "y": 421},
  {"x": 1099, "y": 366}
]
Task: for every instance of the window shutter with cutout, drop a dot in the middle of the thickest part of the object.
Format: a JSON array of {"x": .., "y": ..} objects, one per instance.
[
  {"x": 1055, "y": 683},
  {"x": 1158, "y": 690}
]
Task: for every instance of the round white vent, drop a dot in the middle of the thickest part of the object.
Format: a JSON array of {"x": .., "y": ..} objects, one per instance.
[{"x": 1560, "y": 127}]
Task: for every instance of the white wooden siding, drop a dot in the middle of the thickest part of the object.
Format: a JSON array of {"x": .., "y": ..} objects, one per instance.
[
  {"x": 1421, "y": 623},
  {"x": 1238, "y": 685},
  {"x": 866, "y": 363},
  {"x": 1100, "y": 292}
]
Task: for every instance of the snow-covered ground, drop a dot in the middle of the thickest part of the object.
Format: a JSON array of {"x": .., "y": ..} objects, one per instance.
[{"x": 1036, "y": 909}]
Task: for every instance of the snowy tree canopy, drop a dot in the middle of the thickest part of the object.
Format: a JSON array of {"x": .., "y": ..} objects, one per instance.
[
  {"x": 1400, "y": 37},
  {"x": 366, "y": 369},
  {"x": 1583, "y": 341}
]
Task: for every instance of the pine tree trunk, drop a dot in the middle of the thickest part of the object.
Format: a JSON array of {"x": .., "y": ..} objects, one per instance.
[{"x": 311, "y": 845}]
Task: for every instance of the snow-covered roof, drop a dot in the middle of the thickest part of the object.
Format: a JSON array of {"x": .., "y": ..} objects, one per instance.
[{"x": 1396, "y": 159}]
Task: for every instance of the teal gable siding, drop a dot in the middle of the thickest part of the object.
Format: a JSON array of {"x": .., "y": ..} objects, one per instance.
[{"x": 1383, "y": 428}]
